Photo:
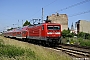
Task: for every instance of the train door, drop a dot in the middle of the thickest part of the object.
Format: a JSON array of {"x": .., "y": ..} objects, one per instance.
[{"x": 43, "y": 31}]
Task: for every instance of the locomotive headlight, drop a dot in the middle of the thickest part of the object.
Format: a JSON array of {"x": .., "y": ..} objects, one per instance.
[
  {"x": 57, "y": 33},
  {"x": 49, "y": 33}
]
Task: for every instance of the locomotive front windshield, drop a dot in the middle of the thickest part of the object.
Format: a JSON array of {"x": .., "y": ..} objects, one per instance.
[{"x": 53, "y": 27}]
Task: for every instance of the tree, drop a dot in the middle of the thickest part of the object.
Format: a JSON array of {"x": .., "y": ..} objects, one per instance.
[
  {"x": 65, "y": 33},
  {"x": 83, "y": 35},
  {"x": 10, "y": 29},
  {"x": 26, "y": 23},
  {"x": 87, "y": 36}
]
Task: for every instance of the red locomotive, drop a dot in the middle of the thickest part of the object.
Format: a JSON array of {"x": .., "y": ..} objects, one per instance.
[{"x": 44, "y": 33}]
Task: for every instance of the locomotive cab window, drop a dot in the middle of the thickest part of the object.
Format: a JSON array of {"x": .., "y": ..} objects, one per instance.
[
  {"x": 53, "y": 27},
  {"x": 56, "y": 27},
  {"x": 50, "y": 27}
]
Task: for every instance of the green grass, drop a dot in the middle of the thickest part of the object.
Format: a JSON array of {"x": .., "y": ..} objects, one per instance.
[
  {"x": 84, "y": 42},
  {"x": 11, "y": 49}
]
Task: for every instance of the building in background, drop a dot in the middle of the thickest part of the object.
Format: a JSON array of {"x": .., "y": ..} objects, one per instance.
[
  {"x": 61, "y": 19},
  {"x": 83, "y": 26},
  {"x": 72, "y": 30}
]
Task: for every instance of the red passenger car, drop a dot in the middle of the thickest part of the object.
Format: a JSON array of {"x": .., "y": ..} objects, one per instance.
[
  {"x": 10, "y": 33},
  {"x": 22, "y": 32}
]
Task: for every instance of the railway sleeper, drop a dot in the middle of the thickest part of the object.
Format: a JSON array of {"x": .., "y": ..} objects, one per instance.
[
  {"x": 75, "y": 55},
  {"x": 78, "y": 50},
  {"x": 74, "y": 52}
]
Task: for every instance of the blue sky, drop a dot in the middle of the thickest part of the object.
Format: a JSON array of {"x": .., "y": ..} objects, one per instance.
[{"x": 13, "y": 10}]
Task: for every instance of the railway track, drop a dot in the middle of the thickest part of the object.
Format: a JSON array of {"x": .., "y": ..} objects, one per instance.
[{"x": 74, "y": 51}]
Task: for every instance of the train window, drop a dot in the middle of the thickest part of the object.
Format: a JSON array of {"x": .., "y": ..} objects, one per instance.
[
  {"x": 53, "y": 27},
  {"x": 56, "y": 27},
  {"x": 50, "y": 27}
]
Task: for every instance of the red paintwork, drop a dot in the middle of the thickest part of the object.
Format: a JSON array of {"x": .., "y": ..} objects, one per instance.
[
  {"x": 24, "y": 31},
  {"x": 40, "y": 32}
]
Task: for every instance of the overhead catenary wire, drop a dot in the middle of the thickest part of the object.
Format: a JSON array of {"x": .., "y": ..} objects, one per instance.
[
  {"x": 44, "y": 7},
  {"x": 50, "y": 3},
  {"x": 84, "y": 12},
  {"x": 82, "y": 2},
  {"x": 79, "y": 3},
  {"x": 71, "y": 6},
  {"x": 42, "y": 12}
]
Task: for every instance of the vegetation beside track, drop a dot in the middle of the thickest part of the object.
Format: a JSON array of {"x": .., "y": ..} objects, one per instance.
[
  {"x": 81, "y": 39},
  {"x": 11, "y": 49},
  {"x": 12, "y": 52}
]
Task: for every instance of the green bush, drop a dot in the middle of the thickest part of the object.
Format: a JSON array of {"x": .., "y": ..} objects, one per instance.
[
  {"x": 80, "y": 41},
  {"x": 84, "y": 42},
  {"x": 11, "y": 51},
  {"x": 77, "y": 41},
  {"x": 83, "y": 35},
  {"x": 66, "y": 33}
]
